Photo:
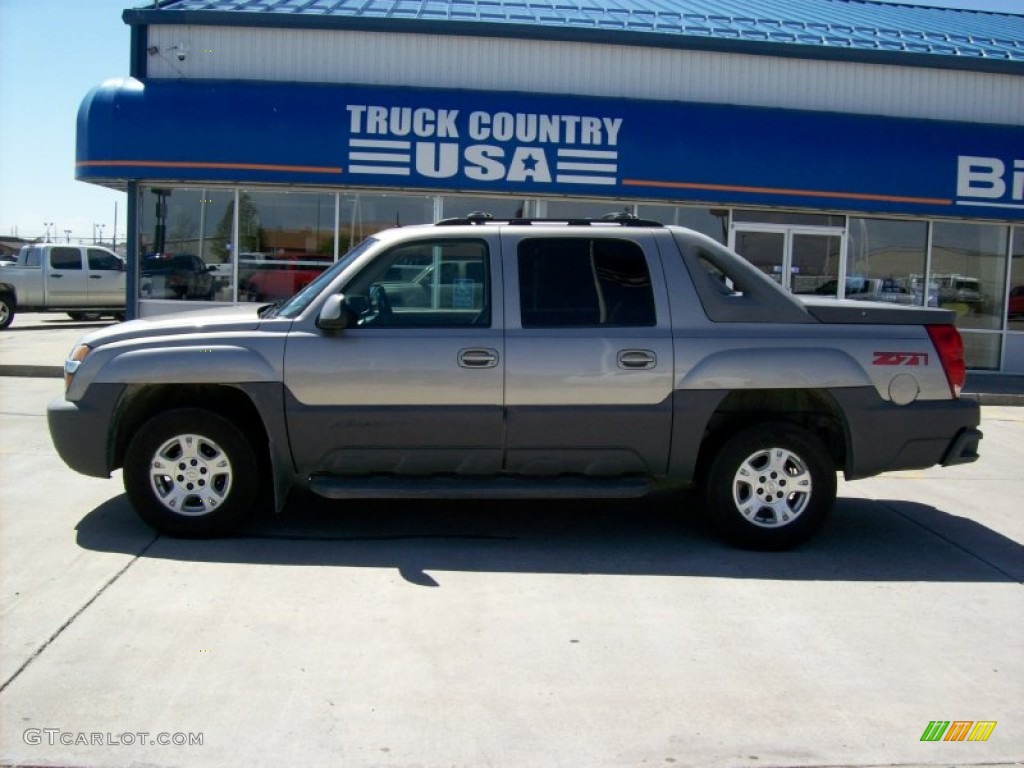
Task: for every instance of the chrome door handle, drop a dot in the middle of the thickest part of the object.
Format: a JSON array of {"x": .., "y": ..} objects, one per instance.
[
  {"x": 478, "y": 358},
  {"x": 637, "y": 359}
]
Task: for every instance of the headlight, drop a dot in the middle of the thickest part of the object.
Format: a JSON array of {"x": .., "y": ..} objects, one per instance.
[{"x": 78, "y": 354}]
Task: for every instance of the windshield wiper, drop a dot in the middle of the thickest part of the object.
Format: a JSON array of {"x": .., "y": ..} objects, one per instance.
[{"x": 269, "y": 309}]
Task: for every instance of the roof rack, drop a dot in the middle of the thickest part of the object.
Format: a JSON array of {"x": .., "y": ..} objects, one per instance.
[{"x": 482, "y": 217}]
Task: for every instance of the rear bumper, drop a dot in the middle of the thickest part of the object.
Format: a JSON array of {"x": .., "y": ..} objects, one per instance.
[
  {"x": 81, "y": 431},
  {"x": 964, "y": 448},
  {"x": 883, "y": 437}
]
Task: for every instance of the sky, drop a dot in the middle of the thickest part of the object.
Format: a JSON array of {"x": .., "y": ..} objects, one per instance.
[{"x": 52, "y": 52}]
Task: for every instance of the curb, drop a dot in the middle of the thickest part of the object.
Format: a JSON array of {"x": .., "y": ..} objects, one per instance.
[
  {"x": 988, "y": 398},
  {"x": 33, "y": 371}
]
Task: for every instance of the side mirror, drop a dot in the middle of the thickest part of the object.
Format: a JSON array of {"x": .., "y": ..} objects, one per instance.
[{"x": 335, "y": 314}]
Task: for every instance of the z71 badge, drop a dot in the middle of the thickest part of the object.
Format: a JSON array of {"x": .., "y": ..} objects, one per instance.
[{"x": 900, "y": 358}]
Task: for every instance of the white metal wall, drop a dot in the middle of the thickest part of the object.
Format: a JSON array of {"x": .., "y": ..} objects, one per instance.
[{"x": 336, "y": 56}]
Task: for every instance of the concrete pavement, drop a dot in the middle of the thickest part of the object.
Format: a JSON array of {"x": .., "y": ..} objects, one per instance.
[{"x": 519, "y": 635}]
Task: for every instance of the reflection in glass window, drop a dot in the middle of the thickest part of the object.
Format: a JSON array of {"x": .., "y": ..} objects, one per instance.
[
  {"x": 815, "y": 263},
  {"x": 499, "y": 207},
  {"x": 1015, "y": 304},
  {"x": 365, "y": 214},
  {"x": 434, "y": 283},
  {"x": 802, "y": 218},
  {"x": 285, "y": 240},
  {"x": 885, "y": 261},
  {"x": 192, "y": 223},
  {"x": 577, "y": 282},
  {"x": 584, "y": 209},
  {"x": 713, "y": 222},
  {"x": 969, "y": 269}
]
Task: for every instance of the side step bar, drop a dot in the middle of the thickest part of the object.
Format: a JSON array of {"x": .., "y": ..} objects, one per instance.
[{"x": 404, "y": 487}]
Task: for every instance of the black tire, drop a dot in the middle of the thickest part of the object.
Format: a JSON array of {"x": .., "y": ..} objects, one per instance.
[
  {"x": 6, "y": 310},
  {"x": 770, "y": 487},
  {"x": 191, "y": 473}
]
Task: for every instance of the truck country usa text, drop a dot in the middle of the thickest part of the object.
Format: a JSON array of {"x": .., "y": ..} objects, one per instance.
[{"x": 510, "y": 147}]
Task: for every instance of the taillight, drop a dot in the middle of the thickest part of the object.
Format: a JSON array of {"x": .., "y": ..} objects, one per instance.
[{"x": 950, "y": 348}]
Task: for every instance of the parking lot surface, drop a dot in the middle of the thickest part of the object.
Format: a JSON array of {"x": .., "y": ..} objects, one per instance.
[{"x": 508, "y": 634}]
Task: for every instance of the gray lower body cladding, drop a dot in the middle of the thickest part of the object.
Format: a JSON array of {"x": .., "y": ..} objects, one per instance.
[
  {"x": 883, "y": 437},
  {"x": 81, "y": 431}
]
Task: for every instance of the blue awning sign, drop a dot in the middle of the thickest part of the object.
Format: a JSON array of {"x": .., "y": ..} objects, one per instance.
[{"x": 541, "y": 144}]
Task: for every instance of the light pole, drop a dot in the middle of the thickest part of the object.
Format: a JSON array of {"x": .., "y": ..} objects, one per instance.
[
  {"x": 94, "y": 228},
  {"x": 47, "y": 224},
  {"x": 67, "y": 234}
]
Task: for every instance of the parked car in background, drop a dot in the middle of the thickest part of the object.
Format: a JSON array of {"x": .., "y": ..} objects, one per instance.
[
  {"x": 1015, "y": 307},
  {"x": 870, "y": 289},
  {"x": 178, "y": 276},
  {"x": 271, "y": 278},
  {"x": 960, "y": 293},
  {"x": 82, "y": 280}
]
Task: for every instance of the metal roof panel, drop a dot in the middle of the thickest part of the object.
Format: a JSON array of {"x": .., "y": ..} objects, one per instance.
[{"x": 855, "y": 25}]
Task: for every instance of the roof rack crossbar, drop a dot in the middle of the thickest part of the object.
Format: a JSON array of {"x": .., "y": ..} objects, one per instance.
[{"x": 477, "y": 217}]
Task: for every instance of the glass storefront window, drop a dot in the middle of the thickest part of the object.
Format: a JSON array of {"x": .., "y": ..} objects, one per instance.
[
  {"x": 713, "y": 222},
  {"x": 790, "y": 219},
  {"x": 285, "y": 239},
  {"x": 363, "y": 214},
  {"x": 814, "y": 263},
  {"x": 969, "y": 270},
  {"x": 584, "y": 209},
  {"x": 499, "y": 207},
  {"x": 1015, "y": 304},
  {"x": 885, "y": 260},
  {"x": 182, "y": 249}
]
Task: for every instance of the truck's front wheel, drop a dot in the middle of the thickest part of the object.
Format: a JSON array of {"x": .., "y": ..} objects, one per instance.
[
  {"x": 6, "y": 310},
  {"x": 771, "y": 487},
  {"x": 190, "y": 472}
]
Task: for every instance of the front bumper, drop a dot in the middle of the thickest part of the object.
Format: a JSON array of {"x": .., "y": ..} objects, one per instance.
[{"x": 81, "y": 431}]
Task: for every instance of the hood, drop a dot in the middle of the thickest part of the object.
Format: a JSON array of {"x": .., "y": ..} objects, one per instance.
[{"x": 243, "y": 317}]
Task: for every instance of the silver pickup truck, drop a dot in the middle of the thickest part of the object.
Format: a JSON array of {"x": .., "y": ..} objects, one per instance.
[
  {"x": 82, "y": 280},
  {"x": 483, "y": 359}
]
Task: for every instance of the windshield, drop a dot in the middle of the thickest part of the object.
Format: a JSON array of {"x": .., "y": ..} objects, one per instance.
[{"x": 294, "y": 306}]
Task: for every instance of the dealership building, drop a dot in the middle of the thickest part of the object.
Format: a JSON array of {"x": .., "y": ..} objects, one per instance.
[{"x": 846, "y": 147}]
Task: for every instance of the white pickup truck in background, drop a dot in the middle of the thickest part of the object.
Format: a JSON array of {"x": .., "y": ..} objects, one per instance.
[{"x": 82, "y": 280}]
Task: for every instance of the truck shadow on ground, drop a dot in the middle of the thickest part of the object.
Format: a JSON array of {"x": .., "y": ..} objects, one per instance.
[{"x": 864, "y": 540}]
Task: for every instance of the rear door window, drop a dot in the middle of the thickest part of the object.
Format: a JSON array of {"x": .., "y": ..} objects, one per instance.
[
  {"x": 102, "y": 260},
  {"x": 584, "y": 282},
  {"x": 65, "y": 258}
]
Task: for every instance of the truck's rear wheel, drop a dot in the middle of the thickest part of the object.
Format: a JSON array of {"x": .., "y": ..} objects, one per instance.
[
  {"x": 6, "y": 311},
  {"x": 190, "y": 472},
  {"x": 771, "y": 487}
]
